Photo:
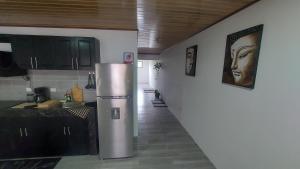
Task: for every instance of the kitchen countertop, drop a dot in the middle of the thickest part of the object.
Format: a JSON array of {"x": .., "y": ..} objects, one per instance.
[
  {"x": 9, "y": 103},
  {"x": 11, "y": 113},
  {"x": 8, "y": 112}
]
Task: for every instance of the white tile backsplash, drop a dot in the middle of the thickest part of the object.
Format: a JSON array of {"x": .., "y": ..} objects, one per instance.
[{"x": 14, "y": 88}]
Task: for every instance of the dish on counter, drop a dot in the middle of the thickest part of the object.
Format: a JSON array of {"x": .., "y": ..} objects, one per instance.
[{"x": 45, "y": 105}]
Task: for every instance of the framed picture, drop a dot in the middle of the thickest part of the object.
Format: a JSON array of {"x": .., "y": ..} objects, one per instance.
[
  {"x": 190, "y": 61},
  {"x": 241, "y": 57},
  {"x": 128, "y": 57}
]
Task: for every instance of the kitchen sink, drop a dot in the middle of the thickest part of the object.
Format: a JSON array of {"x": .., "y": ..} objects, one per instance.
[{"x": 91, "y": 104}]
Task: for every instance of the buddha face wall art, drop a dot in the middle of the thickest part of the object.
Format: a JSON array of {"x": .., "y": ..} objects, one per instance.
[
  {"x": 241, "y": 57},
  {"x": 190, "y": 61}
]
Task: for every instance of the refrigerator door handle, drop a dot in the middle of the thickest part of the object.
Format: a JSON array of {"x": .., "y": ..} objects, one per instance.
[
  {"x": 98, "y": 79},
  {"x": 100, "y": 131}
]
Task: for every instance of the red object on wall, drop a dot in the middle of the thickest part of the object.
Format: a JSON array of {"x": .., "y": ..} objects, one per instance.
[{"x": 128, "y": 57}]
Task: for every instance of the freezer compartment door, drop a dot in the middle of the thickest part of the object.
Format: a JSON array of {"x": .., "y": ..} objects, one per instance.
[
  {"x": 114, "y": 79},
  {"x": 115, "y": 121}
]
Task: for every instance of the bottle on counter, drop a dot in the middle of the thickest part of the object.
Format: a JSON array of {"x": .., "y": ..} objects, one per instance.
[
  {"x": 68, "y": 97},
  {"x": 89, "y": 85},
  {"x": 93, "y": 81}
]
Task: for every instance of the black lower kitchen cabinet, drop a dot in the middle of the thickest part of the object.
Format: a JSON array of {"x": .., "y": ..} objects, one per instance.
[
  {"x": 77, "y": 136},
  {"x": 56, "y": 139},
  {"x": 25, "y": 137},
  {"x": 10, "y": 139},
  {"x": 20, "y": 137},
  {"x": 67, "y": 136}
]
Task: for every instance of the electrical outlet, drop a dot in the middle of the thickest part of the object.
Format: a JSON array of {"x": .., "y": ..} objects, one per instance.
[
  {"x": 53, "y": 90},
  {"x": 28, "y": 89}
]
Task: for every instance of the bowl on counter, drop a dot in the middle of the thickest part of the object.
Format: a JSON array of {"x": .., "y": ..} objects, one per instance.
[{"x": 91, "y": 104}]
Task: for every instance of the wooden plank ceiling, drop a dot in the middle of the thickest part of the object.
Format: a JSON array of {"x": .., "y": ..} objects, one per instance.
[{"x": 161, "y": 23}]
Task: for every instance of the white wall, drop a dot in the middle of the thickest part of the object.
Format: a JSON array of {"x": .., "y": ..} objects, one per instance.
[
  {"x": 153, "y": 75},
  {"x": 235, "y": 127},
  {"x": 112, "y": 45},
  {"x": 143, "y": 73},
  {"x": 148, "y": 56}
]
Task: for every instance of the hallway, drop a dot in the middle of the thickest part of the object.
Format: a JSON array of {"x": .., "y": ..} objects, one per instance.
[{"x": 162, "y": 144}]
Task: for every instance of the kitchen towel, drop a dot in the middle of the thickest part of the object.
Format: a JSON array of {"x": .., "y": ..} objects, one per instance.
[{"x": 81, "y": 111}]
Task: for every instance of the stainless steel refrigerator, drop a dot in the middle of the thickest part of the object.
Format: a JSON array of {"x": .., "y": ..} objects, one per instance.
[{"x": 115, "y": 110}]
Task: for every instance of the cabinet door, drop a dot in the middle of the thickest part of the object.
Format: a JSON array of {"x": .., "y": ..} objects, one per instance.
[
  {"x": 56, "y": 137},
  {"x": 85, "y": 53},
  {"x": 10, "y": 141},
  {"x": 22, "y": 48},
  {"x": 23, "y": 137},
  {"x": 64, "y": 53},
  {"x": 78, "y": 140},
  {"x": 43, "y": 52},
  {"x": 34, "y": 137}
]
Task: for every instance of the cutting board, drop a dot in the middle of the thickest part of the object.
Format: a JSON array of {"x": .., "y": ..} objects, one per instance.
[
  {"x": 45, "y": 105},
  {"x": 49, "y": 104},
  {"x": 23, "y": 105}
]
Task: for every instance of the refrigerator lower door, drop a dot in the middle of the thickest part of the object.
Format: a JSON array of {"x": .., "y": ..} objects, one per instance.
[{"x": 115, "y": 121}]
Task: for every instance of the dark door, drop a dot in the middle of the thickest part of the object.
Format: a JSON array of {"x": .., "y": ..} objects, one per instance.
[
  {"x": 56, "y": 137},
  {"x": 64, "y": 53},
  {"x": 34, "y": 137},
  {"x": 21, "y": 138},
  {"x": 77, "y": 132},
  {"x": 22, "y": 48},
  {"x": 10, "y": 139},
  {"x": 85, "y": 53},
  {"x": 43, "y": 52}
]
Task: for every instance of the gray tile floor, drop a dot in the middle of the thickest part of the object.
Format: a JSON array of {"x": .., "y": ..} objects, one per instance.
[{"x": 162, "y": 144}]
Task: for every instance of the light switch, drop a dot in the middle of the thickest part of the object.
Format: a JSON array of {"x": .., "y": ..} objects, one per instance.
[
  {"x": 28, "y": 89},
  {"x": 53, "y": 90}
]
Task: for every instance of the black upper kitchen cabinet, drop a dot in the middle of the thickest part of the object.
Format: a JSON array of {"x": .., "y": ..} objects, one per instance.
[
  {"x": 44, "y": 52},
  {"x": 64, "y": 53},
  {"x": 55, "y": 52},
  {"x": 75, "y": 53},
  {"x": 23, "y": 53},
  {"x": 33, "y": 52},
  {"x": 85, "y": 53}
]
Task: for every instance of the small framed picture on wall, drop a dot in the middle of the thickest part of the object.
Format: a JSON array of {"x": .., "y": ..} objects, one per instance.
[
  {"x": 128, "y": 57},
  {"x": 190, "y": 61}
]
